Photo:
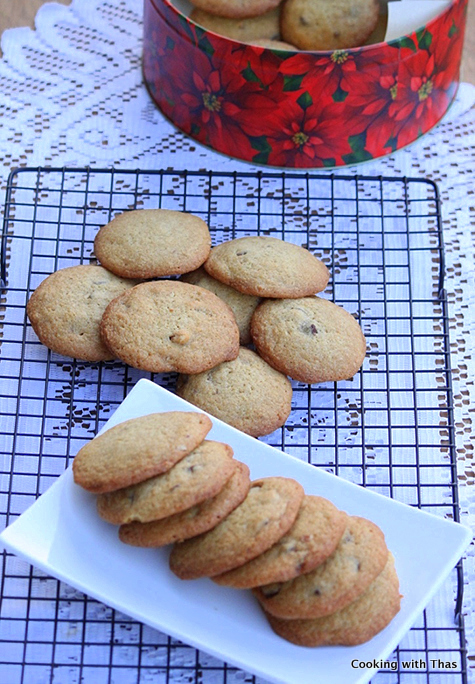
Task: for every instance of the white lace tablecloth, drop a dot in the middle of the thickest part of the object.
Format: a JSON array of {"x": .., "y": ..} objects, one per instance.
[{"x": 72, "y": 94}]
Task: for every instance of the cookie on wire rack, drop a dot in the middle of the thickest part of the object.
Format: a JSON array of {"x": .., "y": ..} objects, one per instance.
[
  {"x": 246, "y": 393},
  {"x": 309, "y": 339},
  {"x": 150, "y": 243},
  {"x": 267, "y": 267},
  {"x": 169, "y": 325},
  {"x": 66, "y": 310}
]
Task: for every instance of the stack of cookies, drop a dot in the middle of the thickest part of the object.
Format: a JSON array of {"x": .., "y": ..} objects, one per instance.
[
  {"x": 290, "y": 25},
  {"x": 321, "y": 576},
  {"x": 253, "y": 290}
]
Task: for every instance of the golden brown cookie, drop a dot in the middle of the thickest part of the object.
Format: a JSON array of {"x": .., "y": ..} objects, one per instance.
[
  {"x": 246, "y": 393},
  {"x": 265, "y": 515},
  {"x": 66, "y": 309},
  {"x": 242, "y": 305},
  {"x": 328, "y": 24},
  {"x": 197, "y": 477},
  {"x": 267, "y": 267},
  {"x": 193, "y": 521},
  {"x": 148, "y": 243},
  {"x": 273, "y": 44},
  {"x": 309, "y": 339},
  {"x": 244, "y": 30},
  {"x": 236, "y": 9},
  {"x": 312, "y": 538},
  {"x": 358, "y": 559},
  {"x": 168, "y": 325},
  {"x": 138, "y": 449},
  {"x": 359, "y": 622}
]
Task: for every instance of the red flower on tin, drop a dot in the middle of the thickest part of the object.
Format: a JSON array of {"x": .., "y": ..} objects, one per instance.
[
  {"x": 420, "y": 101},
  {"x": 327, "y": 73},
  {"x": 306, "y": 137},
  {"x": 211, "y": 100}
]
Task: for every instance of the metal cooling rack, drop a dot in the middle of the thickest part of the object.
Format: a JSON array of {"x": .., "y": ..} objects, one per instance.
[{"x": 390, "y": 429}]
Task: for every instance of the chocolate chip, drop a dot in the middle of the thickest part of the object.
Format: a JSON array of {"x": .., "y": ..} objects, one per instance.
[
  {"x": 240, "y": 253},
  {"x": 271, "y": 591},
  {"x": 308, "y": 328}
]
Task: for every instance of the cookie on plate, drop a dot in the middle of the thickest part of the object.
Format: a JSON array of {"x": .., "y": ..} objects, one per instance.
[
  {"x": 312, "y": 538},
  {"x": 310, "y": 339},
  {"x": 359, "y": 622},
  {"x": 242, "y": 305},
  {"x": 197, "y": 477},
  {"x": 168, "y": 325},
  {"x": 236, "y": 9},
  {"x": 267, "y": 267},
  {"x": 328, "y": 24},
  {"x": 244, "y": 30},
  {"x": 265, "y": 515},
  {"x": 247, "y": 393},
  {"x": 193, "y": 521},
  {"x": 137, "y": 449},
  {"x": 149, "y": 243},
  {"x": 358, "y": 559},
  {"x": 66, "y": 309}
]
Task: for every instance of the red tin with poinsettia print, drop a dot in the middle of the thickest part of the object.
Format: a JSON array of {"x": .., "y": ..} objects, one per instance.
[{"x": 301, "y": 109}]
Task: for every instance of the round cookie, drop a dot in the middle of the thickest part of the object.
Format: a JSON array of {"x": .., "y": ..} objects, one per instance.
[
  {"x": 273, "y": 44},
  {"x": 242, "y": 305},
  {"x": 328, "y": 24},
  {"x": 66, "y": 309},
  {"x": 357, "y": 623},
  {"x": 149, "y": 243},
  {"x": 312, "y": 538},
  {"x": 244, "y": 30},
  {"x": 309, "y": 339},
  {"x": 193, "y": 521},
  {"x": 138, "y": 449},
  {"x": 170, "y": 326},
  {"x": 267, "y": 267},
  {"x": 236, "y": 9},
  {"x": 358, "y": 559},
  {"x": 246, "y": 393},
  {"x": 265, "y": 515},
  {"x": 197, "y": 477}
]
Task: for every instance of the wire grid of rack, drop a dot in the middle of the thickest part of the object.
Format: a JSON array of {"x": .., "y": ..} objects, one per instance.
[{"x": 389, "y": 429}]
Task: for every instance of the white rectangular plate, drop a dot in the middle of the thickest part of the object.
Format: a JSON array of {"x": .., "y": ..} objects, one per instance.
[{"x": 62, "y": 534}]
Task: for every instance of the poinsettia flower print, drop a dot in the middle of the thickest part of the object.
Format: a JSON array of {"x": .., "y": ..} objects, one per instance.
[
  {"x": 212, "y": 99},
  {"x": 420, "y": 101},
  {"x": 303, "y": 134}
]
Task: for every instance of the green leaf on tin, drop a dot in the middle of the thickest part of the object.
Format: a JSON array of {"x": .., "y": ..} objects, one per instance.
[
  {"x": 182, "y": 19},
  {"x": 339, "y": 95},
  {"x": 261, "y": 158},
  {"x": 359, "y": 154},
  {"x": 195, "y": 129},
  {"x": 206, "y": 46},
  {"x": 408, "y": 43},
  {"x": 392, "y": 143},
  {"x": 170, "y": 44},
  {"x": 424, "y": 39},
  {"x": 304, "y": 100},
  {"x": 250, "y": 75},
  {"x": 260, "y": 143},
  {"x": 453, "y": 29},
  {"x": 329, "y": 162},
  {"x": 292, "y": 83}
]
